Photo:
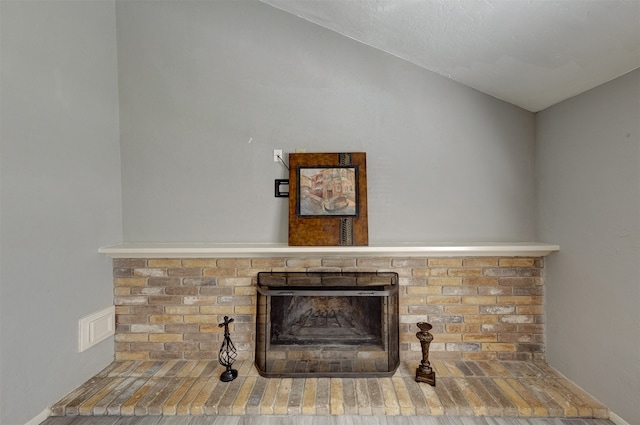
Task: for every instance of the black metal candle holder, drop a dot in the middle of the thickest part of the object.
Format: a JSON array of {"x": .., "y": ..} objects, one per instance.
[{"x": 228, "y": 353}]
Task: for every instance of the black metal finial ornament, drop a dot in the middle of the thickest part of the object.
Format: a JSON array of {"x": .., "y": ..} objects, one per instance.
[
  {"x": 228, "y": 353},
  {"x": 424, "y": 372}
]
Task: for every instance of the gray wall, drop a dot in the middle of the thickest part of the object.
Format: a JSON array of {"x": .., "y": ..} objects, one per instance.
[
  {"x": 60, "y": 195},
  {"x": 588, "y": 162},
  {"x": 199, "y": 80}
]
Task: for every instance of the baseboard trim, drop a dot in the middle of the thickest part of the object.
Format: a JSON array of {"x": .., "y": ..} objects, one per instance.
[
  {"x": 37, "y": 420},
  {"x": 617, "y": 419}
]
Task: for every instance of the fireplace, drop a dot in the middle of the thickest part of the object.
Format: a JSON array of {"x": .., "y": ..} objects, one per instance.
[
  {"x": 487, "y": 305},
  {"x": 327, "y": 324}
]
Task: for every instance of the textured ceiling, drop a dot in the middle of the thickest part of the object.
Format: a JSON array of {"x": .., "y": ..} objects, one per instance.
[{"x": 531, "y": 53}]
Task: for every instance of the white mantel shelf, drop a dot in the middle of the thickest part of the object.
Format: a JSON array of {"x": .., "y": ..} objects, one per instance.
[{"x": 253, "y": 250}]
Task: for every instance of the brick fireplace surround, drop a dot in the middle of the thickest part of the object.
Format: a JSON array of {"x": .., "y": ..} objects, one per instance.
[
  {"x": 481, "y": 307},
  {"x": 485, "y": 303}
]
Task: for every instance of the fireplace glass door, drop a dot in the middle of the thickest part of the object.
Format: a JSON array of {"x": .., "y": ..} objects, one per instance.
[{"x": 327, "y": 324}]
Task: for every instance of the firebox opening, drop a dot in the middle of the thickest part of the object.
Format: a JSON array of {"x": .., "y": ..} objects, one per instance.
[
  {"x": 327, "y": 324},
  {"x": 326, "y": 320}
]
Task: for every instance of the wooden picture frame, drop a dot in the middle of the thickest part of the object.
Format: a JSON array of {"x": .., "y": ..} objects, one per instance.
[{"x": 328, "y": 199}]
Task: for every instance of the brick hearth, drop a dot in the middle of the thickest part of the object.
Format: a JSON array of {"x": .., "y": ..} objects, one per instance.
[{"x": 464, "y": 388}]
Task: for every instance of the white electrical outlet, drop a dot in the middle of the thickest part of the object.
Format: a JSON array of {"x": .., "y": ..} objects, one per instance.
[{"x": 277, "y": 155}]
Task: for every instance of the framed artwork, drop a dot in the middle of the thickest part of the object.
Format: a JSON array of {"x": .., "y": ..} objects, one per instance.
[
  {"x": 327, "y": 191},
  {"x": 327, "y": 199}
]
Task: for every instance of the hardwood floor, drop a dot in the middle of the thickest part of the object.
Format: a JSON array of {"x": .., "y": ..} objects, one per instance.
[{"x": 315, "y": 420}]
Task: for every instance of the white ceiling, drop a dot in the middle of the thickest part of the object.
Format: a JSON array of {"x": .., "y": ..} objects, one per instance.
[{"x": 531, "y": 53}]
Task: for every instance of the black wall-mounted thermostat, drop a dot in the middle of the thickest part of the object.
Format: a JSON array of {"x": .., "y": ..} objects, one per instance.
[{"x": 279, "y": 192}]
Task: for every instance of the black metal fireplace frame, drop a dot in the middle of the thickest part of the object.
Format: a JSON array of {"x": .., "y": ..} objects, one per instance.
[{"x": 383, "y": 285}]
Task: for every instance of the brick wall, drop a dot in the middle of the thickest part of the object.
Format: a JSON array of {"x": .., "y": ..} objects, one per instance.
[{"x": 480, "y": 307}]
